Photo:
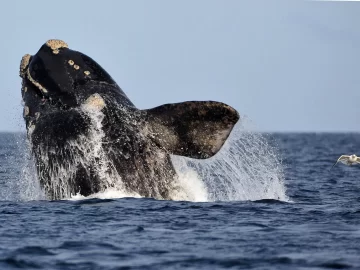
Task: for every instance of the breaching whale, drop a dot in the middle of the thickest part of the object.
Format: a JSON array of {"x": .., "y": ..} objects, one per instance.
[{"x": 86, "y": 135}]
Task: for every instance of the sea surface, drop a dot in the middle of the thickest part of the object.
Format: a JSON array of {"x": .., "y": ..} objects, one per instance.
[{"x": 283, "y": 208}]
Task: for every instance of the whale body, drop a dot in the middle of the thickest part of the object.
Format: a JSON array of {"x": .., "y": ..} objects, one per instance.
[{"x": 86, "y": 135}]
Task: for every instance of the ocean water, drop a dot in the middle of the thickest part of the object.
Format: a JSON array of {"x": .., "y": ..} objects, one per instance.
[{"x": 266, "y": 201}]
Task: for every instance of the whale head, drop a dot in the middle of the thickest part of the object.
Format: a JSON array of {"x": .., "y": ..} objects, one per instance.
[{"x": 58, "y": 78}]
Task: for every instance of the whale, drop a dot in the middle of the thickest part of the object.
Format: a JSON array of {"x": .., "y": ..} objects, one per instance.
[{"x": 85, "y": 135}]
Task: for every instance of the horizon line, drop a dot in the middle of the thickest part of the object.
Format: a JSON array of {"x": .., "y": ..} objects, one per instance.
[{"x": 258, "y": 131}]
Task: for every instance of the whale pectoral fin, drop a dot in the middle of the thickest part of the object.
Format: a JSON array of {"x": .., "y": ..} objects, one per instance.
[{"x": 195, "y": 129}]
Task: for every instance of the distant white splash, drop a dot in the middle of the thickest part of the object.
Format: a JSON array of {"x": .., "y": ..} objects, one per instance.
[{"x": 246, "y": 168}]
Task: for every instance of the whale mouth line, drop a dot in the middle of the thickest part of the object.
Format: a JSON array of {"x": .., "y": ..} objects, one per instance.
[
  {"x": 25, "y": 75},
  {"x": 42, "y": 89}
]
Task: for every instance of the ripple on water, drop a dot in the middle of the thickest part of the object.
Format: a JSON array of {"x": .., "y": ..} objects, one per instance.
[{"x": 318, "y": 229}]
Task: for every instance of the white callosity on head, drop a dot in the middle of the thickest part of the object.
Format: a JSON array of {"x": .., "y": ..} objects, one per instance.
[
  {"x": 56, "y": 44},
  {"x": 25, "y": 72},
  {"x": 77, "y": 67},
  {"x": 24, "y": 64},
  {"x": 94, "y": 103},
  {"x": 38, "y": 85}
]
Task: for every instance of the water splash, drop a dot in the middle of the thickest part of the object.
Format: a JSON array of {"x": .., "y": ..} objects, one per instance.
[
  {"x": 86, "y": 152},
  {"x": 77, "y": 153},
  {"x": 246, "y": 168},
  {"x": 28, "y": 184},
  {"x": 22, "y": 183},
  {"x": 192, "y": 187},
  {"x": 108, "y": 177}
]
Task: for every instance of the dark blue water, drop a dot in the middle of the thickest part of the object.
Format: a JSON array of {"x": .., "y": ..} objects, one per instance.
[{"x": 319, "y": 229}]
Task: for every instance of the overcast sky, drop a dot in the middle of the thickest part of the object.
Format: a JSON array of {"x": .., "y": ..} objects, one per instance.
[{"x": 288, "y": 66}]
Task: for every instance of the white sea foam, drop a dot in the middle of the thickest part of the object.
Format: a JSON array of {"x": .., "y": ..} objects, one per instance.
[{"x": 109, "y": 193}]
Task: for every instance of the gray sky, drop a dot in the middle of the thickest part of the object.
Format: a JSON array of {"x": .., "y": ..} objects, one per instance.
[{"x": 288, "y": 66}]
